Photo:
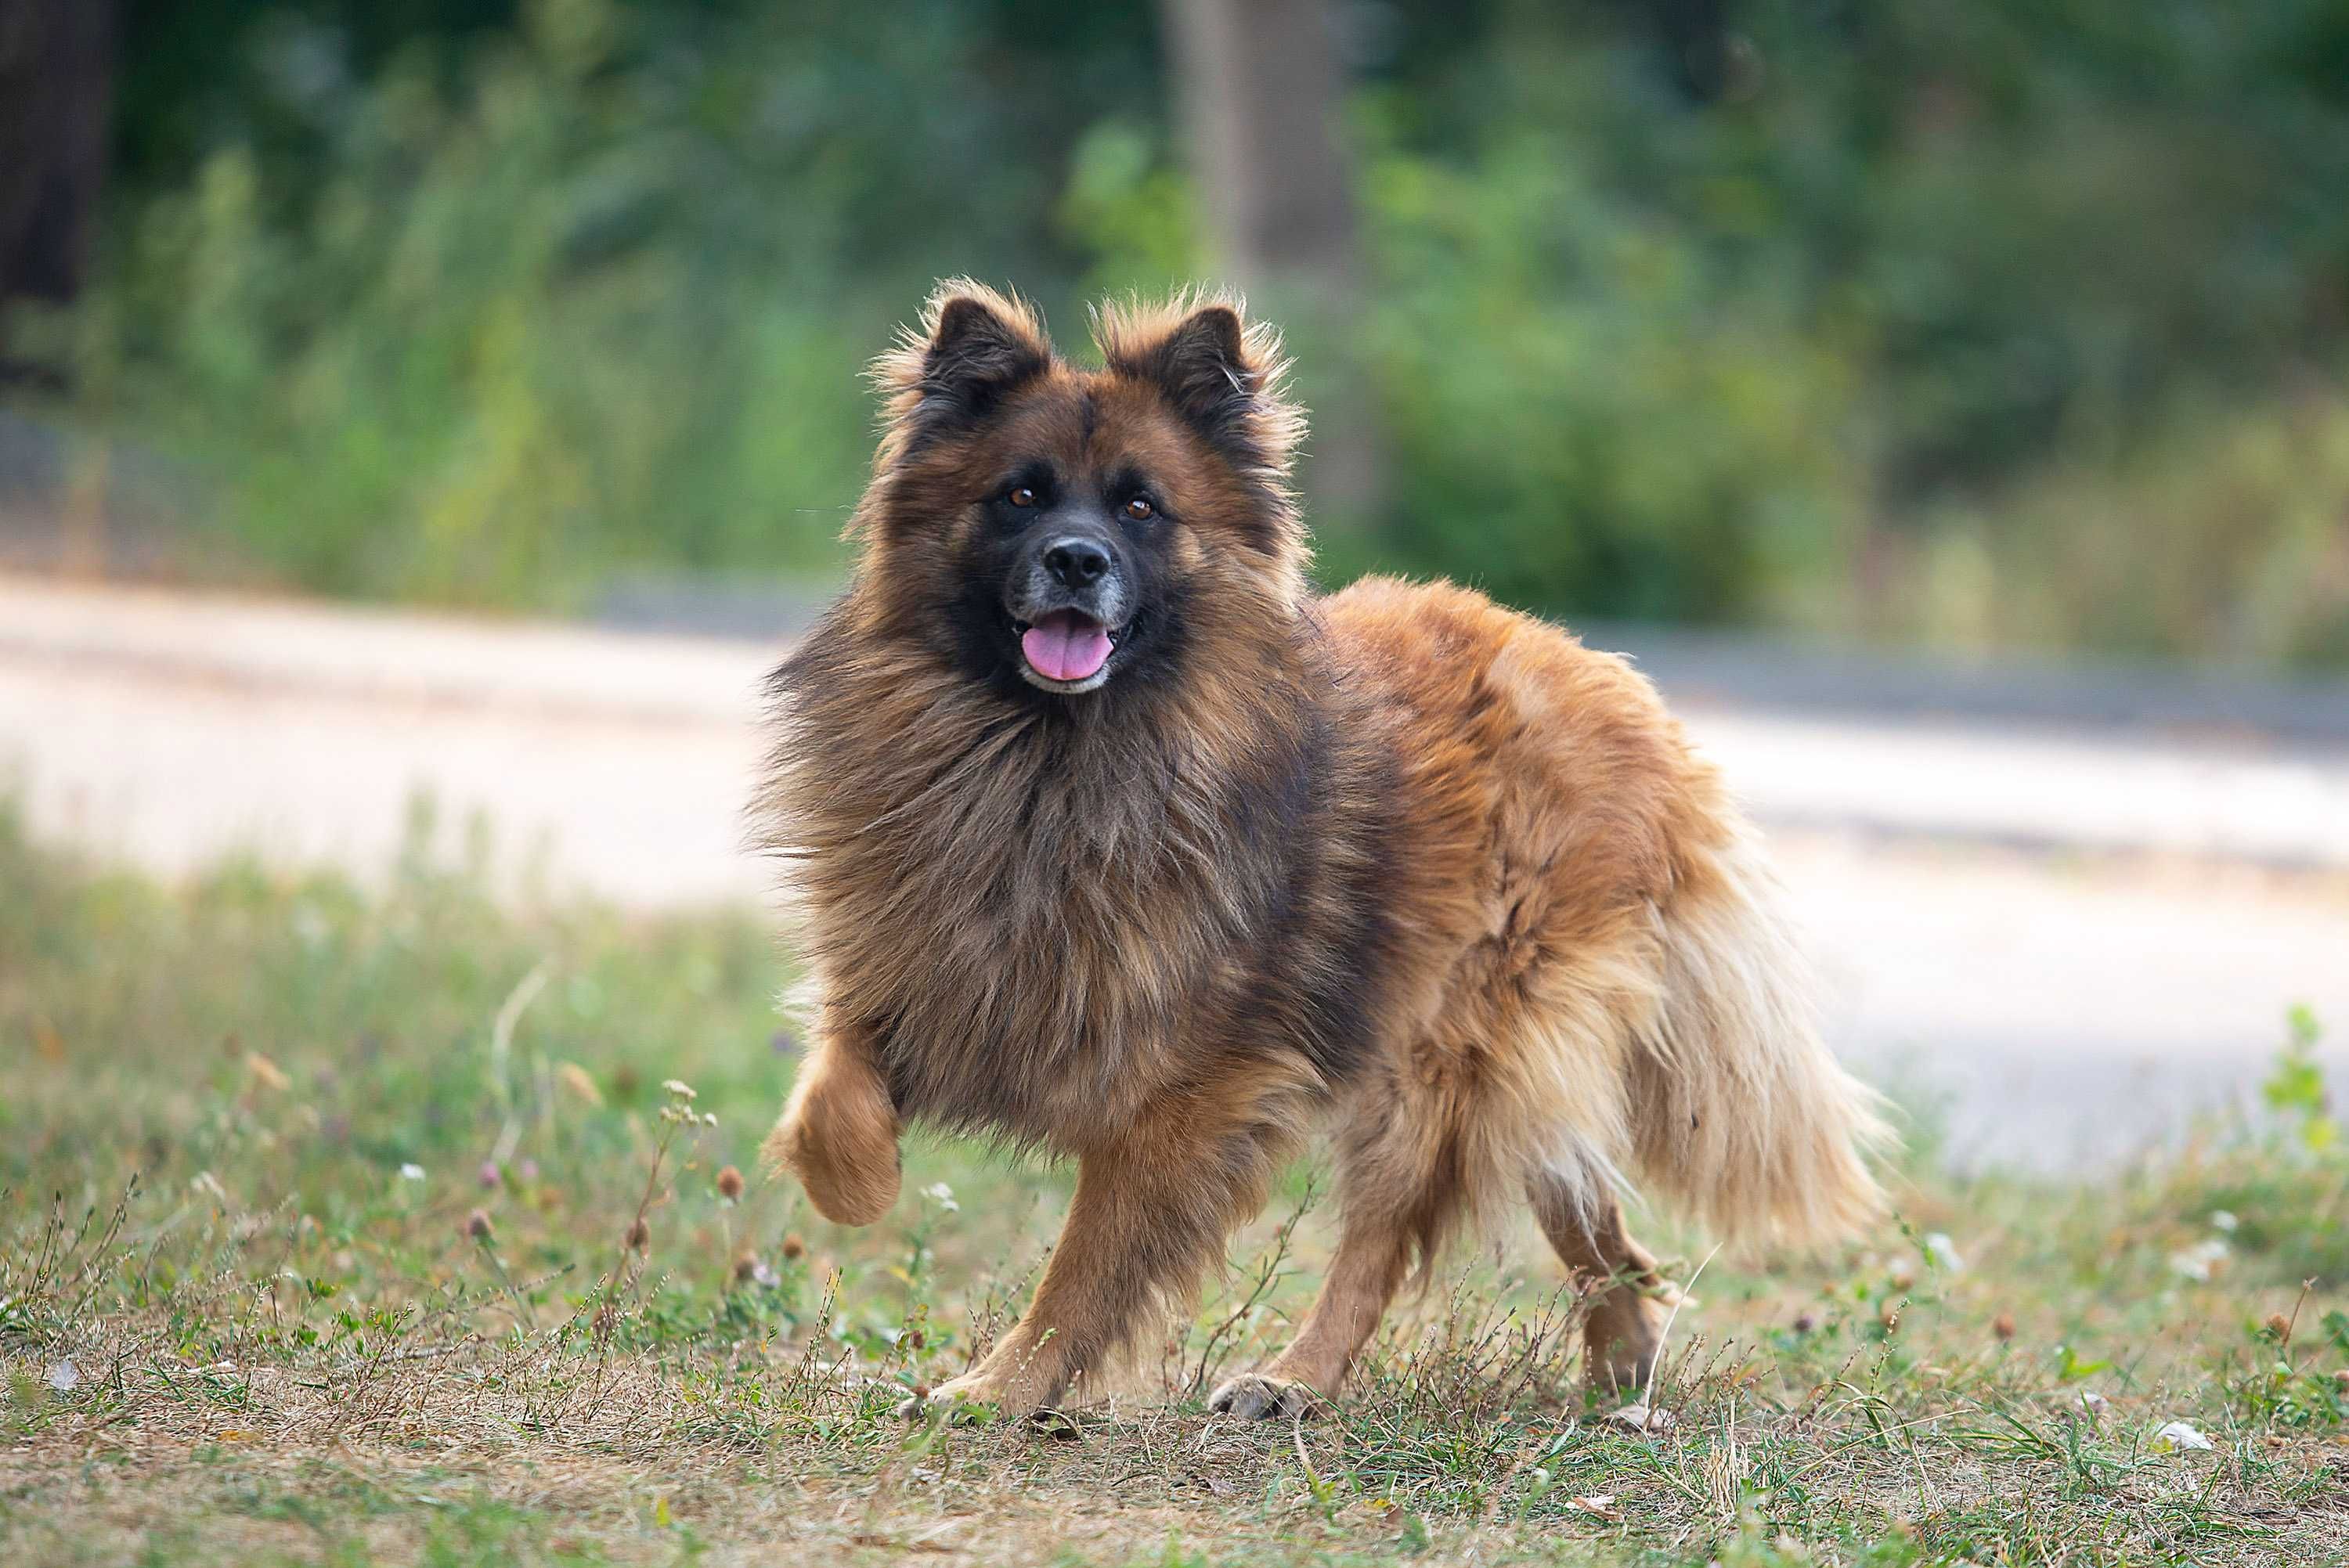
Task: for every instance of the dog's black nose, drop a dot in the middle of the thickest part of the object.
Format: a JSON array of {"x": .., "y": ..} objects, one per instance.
[{"x": 1076, "y": 563}]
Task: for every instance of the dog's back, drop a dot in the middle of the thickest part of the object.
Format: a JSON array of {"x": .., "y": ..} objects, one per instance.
[
  {"x": 1621, "y": 1000},
  {"x": 1600, "y": 991}
]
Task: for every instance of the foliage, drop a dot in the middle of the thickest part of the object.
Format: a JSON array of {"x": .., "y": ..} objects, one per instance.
[
  {"x": 2224, "y": 531},
  {"x": 2284, "y": 1190},
  {"x": 2297, "y": 1087},
  {"x": 601, "y": 304},
  {"x": 1586, "y": 412},
  {"x": 1985, "y": 324}
]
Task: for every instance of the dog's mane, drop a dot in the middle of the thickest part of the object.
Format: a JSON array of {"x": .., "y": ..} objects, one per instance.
[{"x": 1035, "y": 892}]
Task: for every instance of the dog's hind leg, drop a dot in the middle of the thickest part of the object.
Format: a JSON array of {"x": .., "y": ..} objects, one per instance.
[{"x": 1628, "y": 1302}]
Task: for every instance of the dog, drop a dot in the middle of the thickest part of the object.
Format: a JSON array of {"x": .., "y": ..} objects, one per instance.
[{"x": 1107, "y": 838}]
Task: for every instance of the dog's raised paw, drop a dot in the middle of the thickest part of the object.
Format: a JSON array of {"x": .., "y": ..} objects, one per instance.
[{"x": 1253, "y": 1397}]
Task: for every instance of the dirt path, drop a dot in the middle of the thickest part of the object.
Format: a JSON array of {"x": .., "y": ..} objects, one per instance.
[{"x": 2074, "y": 939}]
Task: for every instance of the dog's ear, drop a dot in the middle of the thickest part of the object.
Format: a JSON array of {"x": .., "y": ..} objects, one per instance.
[
  {"x": 1219, "y": 371},
  {"x": 972, "y": 346},
  {"x": 981, "y": 345},
  {"x": 1203, "y": 368}
]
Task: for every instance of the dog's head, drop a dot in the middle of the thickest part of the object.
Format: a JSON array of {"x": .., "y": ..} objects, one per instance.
[{"x": 1053, "y": 531}]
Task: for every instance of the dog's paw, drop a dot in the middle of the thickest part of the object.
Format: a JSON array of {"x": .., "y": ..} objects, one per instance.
[
  {"x": 1253, "y": 1397},
  {"x": 973, "y": 1400},
  {"x": 839, "y": 1137},
  {"x": 944, "y": 1403},
  {"x": 1624, "y": 1340}
]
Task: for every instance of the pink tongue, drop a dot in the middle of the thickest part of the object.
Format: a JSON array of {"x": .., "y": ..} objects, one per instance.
[{"x": 1066, "y": 647}]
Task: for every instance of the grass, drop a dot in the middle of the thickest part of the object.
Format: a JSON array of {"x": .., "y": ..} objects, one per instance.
[{"x": 351, "y": 1226}]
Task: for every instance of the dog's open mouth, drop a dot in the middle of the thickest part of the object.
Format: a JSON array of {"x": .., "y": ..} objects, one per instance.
[{"x": 1067, "y": 647}]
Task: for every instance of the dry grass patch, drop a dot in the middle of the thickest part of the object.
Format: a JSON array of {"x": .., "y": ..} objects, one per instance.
[{"x": 355, "y": 1229}]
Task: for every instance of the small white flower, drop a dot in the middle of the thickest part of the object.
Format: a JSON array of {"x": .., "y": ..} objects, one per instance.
[
  {"x": 411, "y": 1173},
  {"x": 2220, "y": 1220},
  {"x": 2201, "y": 1260},
  {"x": 1942, "y": 1253},
  {"x": 680, "y": 1088},
  {"x": 764, "y": 1276},
  {"x": 2176, "y": 1437},
  {"x": 65, "y": 1376},
  {"x": 941, "y": 1194}
]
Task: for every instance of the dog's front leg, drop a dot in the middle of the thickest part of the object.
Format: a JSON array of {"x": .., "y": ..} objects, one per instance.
[
  {"x": 838, "y": 1133},
  {"x": 1150, "y": 1215}
]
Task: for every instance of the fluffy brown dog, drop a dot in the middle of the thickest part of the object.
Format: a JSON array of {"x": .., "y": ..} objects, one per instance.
[{"x": 1110, "y": 838}]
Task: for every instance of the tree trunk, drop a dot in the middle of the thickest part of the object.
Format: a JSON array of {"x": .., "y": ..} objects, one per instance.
[
  {"x": 56, "y": 82},
  {"x": 1260, "y": 86}
]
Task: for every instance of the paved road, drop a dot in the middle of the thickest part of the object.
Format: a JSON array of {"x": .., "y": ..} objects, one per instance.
[{"x": 2074, "y": 939}]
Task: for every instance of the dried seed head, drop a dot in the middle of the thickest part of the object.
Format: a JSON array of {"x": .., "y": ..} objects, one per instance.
[
  {"x": 746, "y": 1266},
  {"x": 730, "y": 1184},
  {"x": 793, "y": 1247},
  {"x": 640, "y": 1234},
  {"x": 2004, "y": 1325},
  {"x": 2279, "y": 1325},
  {"x": 577, "y": 1080},
  {"x": 1804, "y": 1323},
  {"x": 914, "y": 1339},
  {"x": 477, "y": 1226},
  {"x": 2340, "y": 1380}
]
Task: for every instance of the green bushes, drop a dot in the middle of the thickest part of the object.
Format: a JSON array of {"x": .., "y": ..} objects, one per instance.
[
  {"x": 604, "y": 306},
  {"x": 1583, "y": 412},
  {"x": 1981, "y": 323},
  {"x": 2224, "y": 531},
  {"x": 507, "y": 344}
]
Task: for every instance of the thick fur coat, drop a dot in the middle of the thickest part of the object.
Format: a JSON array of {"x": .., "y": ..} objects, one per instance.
[{"x": 1105, "y": 836}]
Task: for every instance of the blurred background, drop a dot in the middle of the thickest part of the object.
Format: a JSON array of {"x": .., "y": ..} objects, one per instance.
[
  {"x": 1945, "y": 400},
  {"x": 2000, "y": 324}
]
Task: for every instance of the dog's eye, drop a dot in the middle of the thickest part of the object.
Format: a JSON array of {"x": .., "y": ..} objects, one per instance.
[
  {"x": 1021, "y": 496},
  {"x": 1140, "y": 510}
]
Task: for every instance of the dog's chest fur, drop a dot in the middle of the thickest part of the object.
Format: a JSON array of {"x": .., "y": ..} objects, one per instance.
[{"x": 1040, "y": 920}]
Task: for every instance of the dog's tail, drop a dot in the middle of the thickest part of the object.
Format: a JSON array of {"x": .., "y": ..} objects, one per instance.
[{"x": 1736, "y": 1107}]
